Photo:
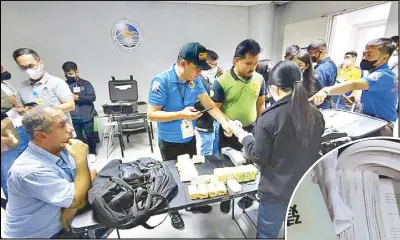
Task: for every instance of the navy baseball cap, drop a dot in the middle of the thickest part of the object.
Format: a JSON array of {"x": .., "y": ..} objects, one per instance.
[{"x": 196, "y": 53}]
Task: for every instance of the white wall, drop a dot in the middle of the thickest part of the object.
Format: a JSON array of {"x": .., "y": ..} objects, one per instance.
[
  {"x": 81, "y": 32},
  {"x": 298, "y": 11},
  {"x": 392, "y": 28},
  {"x": 261, "y": 27},
  {"x": 351, "y": 31}
]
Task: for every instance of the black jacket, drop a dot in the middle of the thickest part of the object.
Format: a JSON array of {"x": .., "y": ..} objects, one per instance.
[
  {"x": 84, "y": 107},
  {"x": 279, "y": 154},
  {"x": 205, "y": 122}
]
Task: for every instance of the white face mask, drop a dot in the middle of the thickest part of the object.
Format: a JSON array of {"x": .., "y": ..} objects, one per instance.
[
  {"x": 347, "y": 62},
  {"x": 212, "y": 73},
  {"x": 34, "y": 73},
  {"x": 272, "y": 93}
]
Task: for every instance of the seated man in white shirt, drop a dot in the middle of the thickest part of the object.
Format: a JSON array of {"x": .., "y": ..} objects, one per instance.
[{"x": 49, "y": 181}]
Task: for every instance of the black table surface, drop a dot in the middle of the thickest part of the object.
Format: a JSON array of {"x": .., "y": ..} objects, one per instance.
[{"x": 85, "y": 221}]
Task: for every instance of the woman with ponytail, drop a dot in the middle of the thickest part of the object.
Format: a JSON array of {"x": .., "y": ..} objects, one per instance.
[{"x": 285, "y": 144}]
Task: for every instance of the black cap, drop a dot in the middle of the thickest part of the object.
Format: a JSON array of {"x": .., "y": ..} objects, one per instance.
[{"x": 196, "y": 53}]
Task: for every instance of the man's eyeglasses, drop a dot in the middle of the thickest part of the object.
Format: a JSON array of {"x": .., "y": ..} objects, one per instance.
[{"x": 23, "y": 68}]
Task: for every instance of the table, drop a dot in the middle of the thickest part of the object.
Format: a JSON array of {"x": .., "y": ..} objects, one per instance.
[
  {"x": 85, "y": 222},
  {"x": 356, "y": 125}
]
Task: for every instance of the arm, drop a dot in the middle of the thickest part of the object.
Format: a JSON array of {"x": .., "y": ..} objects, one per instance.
[
  {"x": 215, "y": 112},
  {"x": 261, "y": 99},
  {"x": 154, "y": 113},
  {"x": 339, "y": 89},
  {"x": 63, "y": 92},
  {"x": 67, "y": 105},
  {"x": 89, "y": 96},
  {"x": 257, "y": 148}
]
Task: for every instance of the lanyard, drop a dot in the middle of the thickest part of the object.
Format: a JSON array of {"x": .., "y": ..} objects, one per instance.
[{"x": 182, "y": 95}]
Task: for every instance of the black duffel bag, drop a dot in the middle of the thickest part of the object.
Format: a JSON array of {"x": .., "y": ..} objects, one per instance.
[{"x": 126, "y": 195}]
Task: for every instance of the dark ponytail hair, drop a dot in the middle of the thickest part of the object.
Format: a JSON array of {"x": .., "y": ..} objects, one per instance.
[
  {"x": 287, "y": 76},
  {"x": 310, "y": 82}
]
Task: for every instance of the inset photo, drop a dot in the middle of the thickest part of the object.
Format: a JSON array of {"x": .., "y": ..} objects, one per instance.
[{"x": 352, "y": 193}]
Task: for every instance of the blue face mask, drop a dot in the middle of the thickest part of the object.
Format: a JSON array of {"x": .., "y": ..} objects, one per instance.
[{"x": 5, "y": 76}]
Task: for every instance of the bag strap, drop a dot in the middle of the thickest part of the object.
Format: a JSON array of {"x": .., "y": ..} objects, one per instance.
[
  {"x": 151, "y": 193},
  {"x": 154, "y": 194}
]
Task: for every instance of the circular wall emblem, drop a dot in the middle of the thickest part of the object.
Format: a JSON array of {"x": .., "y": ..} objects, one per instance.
[{"x": 127, "y": 35}]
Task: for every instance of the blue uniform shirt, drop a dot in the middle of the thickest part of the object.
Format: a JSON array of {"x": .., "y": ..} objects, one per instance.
[
  {"x": 39, "y": 185},
  {"x": 168, "y": 91},
  {"x": 326, "y": 72},
  {"x": 380, "y": 100}
]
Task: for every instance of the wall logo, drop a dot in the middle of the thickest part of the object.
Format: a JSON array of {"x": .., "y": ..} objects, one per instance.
[{"x": 127, "y": 35}]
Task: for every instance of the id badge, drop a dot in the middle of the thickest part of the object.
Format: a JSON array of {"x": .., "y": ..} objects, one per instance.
[
  {"x": 39, "y": 101},
  {"x": 76, "y": 89},
  {"x": 187, "y": 129}
]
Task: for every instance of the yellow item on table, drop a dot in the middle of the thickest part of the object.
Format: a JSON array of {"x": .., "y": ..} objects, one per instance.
[
  {"x": 221, "y": 189},
  {"x": 203, "y": 191},
  {"x": 193, "y": 192},
  {"x": 201, "y": 179},
  {"x": 212, "y": 190}
]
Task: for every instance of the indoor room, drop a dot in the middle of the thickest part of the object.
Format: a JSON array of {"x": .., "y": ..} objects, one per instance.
[{"x": 171, "y": 119}]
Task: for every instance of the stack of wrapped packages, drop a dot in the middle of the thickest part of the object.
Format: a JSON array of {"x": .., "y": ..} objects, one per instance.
[{"x": 210, "y": 186}]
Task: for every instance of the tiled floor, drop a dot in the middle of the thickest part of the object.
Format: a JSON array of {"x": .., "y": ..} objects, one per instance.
[{"x": 212, "y": 225}]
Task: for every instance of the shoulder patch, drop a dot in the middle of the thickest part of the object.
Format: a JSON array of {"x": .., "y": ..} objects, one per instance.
[
  {"x": 155, "y": 86},
  {"x": 374, "y": 76}
]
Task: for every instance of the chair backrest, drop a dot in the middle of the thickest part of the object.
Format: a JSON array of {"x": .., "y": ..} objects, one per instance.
[{"x": 123, "y": 90}]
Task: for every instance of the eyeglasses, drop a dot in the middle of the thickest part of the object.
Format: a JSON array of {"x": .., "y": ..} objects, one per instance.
[{"x": 23, "y": 68}]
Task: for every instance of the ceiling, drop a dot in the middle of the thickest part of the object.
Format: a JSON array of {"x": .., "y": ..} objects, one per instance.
[{"x": 232, "y": 3}]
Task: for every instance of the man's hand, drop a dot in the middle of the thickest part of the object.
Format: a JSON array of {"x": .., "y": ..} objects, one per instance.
[
  {"x": 236, "y": 127},
  {"x": 67, "y": 215},
  {"x": 8, "y": 140},
  {"x": 228, "y": 131},
  {"x": 220, "y": 72},
  {"x": 77, "y": 149},
  {"x": 190, "y": 113},
  {"x": 349, "y": 101},
  {"x": 22, "y": 110},
  {"x": 75, "y": 97},
  {"x": 319, "y": 97}
]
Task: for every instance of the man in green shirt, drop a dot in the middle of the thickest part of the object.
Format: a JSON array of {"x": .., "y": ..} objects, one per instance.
[{"x": 240, "y": 94}]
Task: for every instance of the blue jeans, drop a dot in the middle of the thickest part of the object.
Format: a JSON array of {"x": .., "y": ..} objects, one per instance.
[
  {"x": 207, "y": 142},
  {"x": 270, "y": 219},
  {"x": 8, "y": 157},
  {"x": 215, "y": 149}
]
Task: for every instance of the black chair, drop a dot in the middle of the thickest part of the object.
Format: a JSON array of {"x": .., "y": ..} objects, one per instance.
[{"x": 124, "y": 110}]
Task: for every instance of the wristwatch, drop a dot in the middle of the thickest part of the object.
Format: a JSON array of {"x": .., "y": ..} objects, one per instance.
[{"x": 326, "y": 91}]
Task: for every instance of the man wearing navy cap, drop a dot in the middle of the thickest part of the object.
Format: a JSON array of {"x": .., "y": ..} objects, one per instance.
[{"x": 172, "y": 96}]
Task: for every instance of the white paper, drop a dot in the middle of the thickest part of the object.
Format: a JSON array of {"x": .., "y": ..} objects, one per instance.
[
  {"x": 15, "y": 118},
  {"x": 123, "y": 87},
  {"x": 390, "y": 207}
]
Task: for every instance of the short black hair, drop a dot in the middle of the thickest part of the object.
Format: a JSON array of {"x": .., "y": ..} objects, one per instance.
[
  {"x": 247, "y": 46},
  {"x": 25, "y": 51},
  {"x": 68, "y": 66},
  {"x": 212, "y": 55},
  {"x": 352, "y": 53},
  {"x": 384, "y": 45},
  {"x": 292, "y": 50},
  {"x": 395, "y": 38},
  {"x": 317, "y": 44}
]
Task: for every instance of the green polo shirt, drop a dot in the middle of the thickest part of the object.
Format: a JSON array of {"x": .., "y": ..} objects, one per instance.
[{"x": 239, "y": 96}]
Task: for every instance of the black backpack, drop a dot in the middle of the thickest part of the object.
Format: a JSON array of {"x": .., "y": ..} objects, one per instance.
[{"x": 125, "y": 195}]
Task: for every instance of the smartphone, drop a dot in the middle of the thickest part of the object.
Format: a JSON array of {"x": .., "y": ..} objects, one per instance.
[
  {"x": 205, "y": 110},
  {"x": 30, "y": 104}
]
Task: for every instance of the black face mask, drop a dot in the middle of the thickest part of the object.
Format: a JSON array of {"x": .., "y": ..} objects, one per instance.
[
  {"x": 5, "y": 76},
  {"x": 313, "y": 59},
  {"x": 367, "y": 65},
  {"x": 70, "y": 79}
]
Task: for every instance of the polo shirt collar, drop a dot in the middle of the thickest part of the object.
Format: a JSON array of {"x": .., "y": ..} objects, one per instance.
[
  {"x": 327, "y": 59},
  {"x": 383, "y": 66},
  {"x": 175, "y": 78},
  {"x": 46, "y": 155},
  {"x": 236, "y": 77}
]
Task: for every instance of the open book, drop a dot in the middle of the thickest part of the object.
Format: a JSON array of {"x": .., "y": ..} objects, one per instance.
[{"x": 360, "y": 184}]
